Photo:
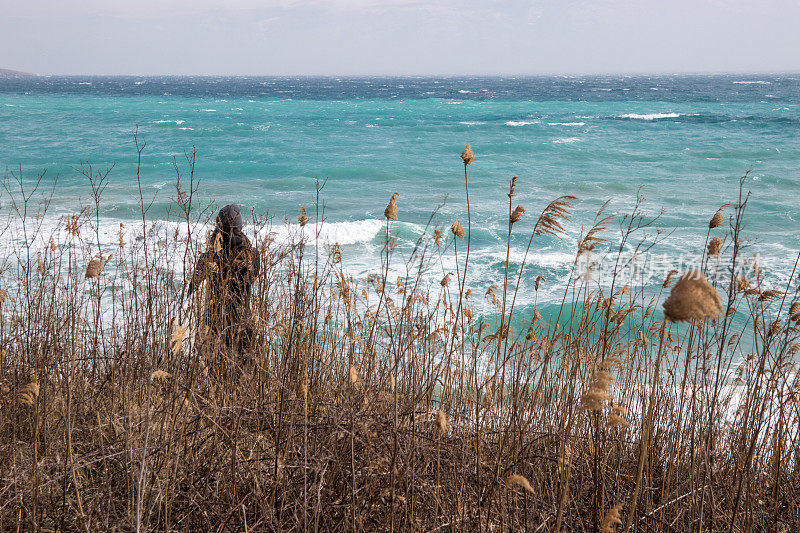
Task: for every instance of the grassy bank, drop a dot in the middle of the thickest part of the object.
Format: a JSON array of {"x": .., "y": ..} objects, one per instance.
[{"x": 389, "y": 404}]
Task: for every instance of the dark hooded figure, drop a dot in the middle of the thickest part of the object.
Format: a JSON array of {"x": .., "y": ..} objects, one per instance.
[{"x": 229, "y": 265}]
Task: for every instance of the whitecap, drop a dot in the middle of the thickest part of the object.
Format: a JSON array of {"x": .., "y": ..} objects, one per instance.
[
  {"x": 753, "y": 82},
  {"x": 343, "y": 233},
  {"x": 566, "y": 123},
  {"x": 178, "y": 122},
  {"x": 565, "y": 140},
  {"x": 650, "y": 116},
  {"x": 209, "y": 110},
  {"x": 238, "y": 109},
  {"x": 462, "y": 91},
  {"x": 517, "y": 123},
  {"x": 84, "y": 83},
  {"x": 190, "y": 129},
  {"x": 471, "y": 122}
]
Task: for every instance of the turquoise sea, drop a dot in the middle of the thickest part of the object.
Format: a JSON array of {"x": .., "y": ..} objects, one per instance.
[{"x": 682, "y": 141}]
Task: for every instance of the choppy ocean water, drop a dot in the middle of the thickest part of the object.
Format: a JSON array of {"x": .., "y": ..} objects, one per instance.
[{"x": 682, "y": 141}]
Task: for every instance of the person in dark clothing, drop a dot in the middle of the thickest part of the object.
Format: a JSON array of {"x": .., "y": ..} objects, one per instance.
[{"x": 229, "y": 265}]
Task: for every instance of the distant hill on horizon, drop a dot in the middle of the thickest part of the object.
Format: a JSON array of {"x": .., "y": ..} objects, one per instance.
[{"x": 8, "y": 72}]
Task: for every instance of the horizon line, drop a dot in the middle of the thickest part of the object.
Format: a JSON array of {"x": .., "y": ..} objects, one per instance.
[{"x": 429, "y": 75}]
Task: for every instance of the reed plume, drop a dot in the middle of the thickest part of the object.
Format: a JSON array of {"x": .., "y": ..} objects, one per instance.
[
  {"x": 467, "y": 156},
  {"x": 557, "y": 211},
  {"x": 516, "y": 215},
  {"x": 717, "y": 220},
  {"x": 515, "y": 481},
  {"x": 458, "y": 230},
  {"x": 28, "y": 393},
  {"x": 693, "y": 298},
  {"x": 391, "y": 210},
  {"x": 94, "y": 268},
  {"x": 714, "y": 246},
  {"x": 441, "y": 422},
  {"x": 611, "y": 519}
]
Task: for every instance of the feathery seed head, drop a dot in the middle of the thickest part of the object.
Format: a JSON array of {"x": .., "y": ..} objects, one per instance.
[
  {"x": 517, "y": 481},
  {"x": 391, "y": 210},
  {"x": 693, "y": 298},
  {"x": 716, "y": 220},
  {"x": 29, "y": 392},
  {"x": 516, "y": 216},
  {"x": 159, "y": 375},
  {"x": 354, "y": 379},
  {"x": 611, "y": 520},
  {"x": 458, "y": 230},
  {"x": 467, "y": 156},
  {"x": 94, "y": 268},
  {"x": 714, "y": 246},
  {"x": 441, "y": 422}
]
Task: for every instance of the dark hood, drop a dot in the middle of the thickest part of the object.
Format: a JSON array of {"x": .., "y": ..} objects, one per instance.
[{"x": 229, "y": 223}]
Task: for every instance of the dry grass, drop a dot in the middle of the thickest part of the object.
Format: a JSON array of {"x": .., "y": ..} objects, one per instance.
[{"x": 375, "y": 405}]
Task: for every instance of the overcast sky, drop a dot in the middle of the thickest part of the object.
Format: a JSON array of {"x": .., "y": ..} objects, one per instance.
[{"x": 272, "y": 37}]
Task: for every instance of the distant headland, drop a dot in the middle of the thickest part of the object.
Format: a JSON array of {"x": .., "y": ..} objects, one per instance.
[{"x": 7, "y": 72}]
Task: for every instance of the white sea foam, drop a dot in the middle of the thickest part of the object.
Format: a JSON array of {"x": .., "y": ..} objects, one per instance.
[
  {"x": 84, "y": 83},
  {"x": 178, "y": 122},
  {"x": 471, "y": 122},
  {"x": 190, "y": 129},
  {"x": 343, "y": 233},
  {"x": 565, "y": 140},
  {"x": 518, "y": 123},
  {"x": 566, "y": 123},
  {"x": 650, "y": 116},
  {"x": 462, "y": 91},
  {"x": 209, "y": 110},
  {"x": 753, "y": 82}
]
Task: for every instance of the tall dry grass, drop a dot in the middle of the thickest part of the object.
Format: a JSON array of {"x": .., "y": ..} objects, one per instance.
[{"x": 380, "y": 404}]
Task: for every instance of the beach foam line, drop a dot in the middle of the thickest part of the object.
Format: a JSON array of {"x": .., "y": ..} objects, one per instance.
[{"x": 650, "y": 116}]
